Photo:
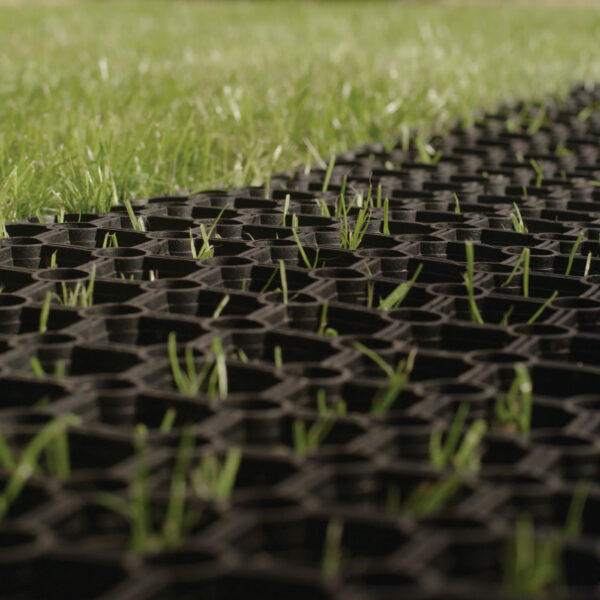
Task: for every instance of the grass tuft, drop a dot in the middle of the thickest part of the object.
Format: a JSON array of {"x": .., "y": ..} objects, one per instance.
[
  {"x": 461, "y": 452},
  {"x": 52, "y": 439},
  {"x": 307, "y": 439},
  {"x": 397, "y": 296},
  {"x": 514, "y": 409}
]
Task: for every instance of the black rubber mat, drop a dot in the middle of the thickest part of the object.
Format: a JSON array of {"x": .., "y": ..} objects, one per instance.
[{"x": 322, "y": 332}]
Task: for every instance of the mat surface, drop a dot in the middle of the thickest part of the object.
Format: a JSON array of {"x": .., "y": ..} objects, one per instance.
[{"x": 293, "y": 341}]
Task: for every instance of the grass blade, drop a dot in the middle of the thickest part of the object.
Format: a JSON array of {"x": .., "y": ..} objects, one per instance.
[
  {"x": 395, "y": 299},
  {"x": 283, "y": 278},
  {"x": 542, "y": 308},
  {"x": 173, "y": 525},
  {"x": 168, "y": 420},
  {"x": 328, "y": 173},
  {"x": 332, "y": 547},
  {"x": 221, "y": 306},
  {"x": 386, "y": 217},
  {"x": 45, "y": 313},
  {"x": 573, "y": 524},
  {"x": 573, "y": 252},
  {"x": 468, "y": 279}
]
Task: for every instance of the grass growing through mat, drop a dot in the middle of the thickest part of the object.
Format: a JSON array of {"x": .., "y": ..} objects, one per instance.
[
  {"x": 145, "y": 536},
  {"x": 38, "y": 369},
  {"x": 427, "y": 155},
  {"x": 456, "y": 204},
  {"x": 397, "y": 296},
  {"x": 352, "y": 233},
  {"x": 308, "y": 438},
  {"x": 386, "y": 215},
  {"x": 168, "y": 420},
  {"x": 101, "y": 102},
  {"x": 214, "y": 479},
  {"x": 538, "y": 313},
  {"x": 588, "y": 264},
  {"x": 514, "y": 409},
  {"x": 427, "y": 498},
  {"x": 517, "y": 220},
  {"x": 80, "y": 295},
  {"x": 110, "y": 240},
  {"x": 574, "y": 521},
  {"x": 45, "y": 313},
  {"x": 332, "y": 547},
  {"x": 210, "y": 380},
  {"x": 523, "y": 258},
  {"x": 207, "y": 249},
  {"x": 278, "y": 357},
  {"x": 468, "y": 279},
  {"x": 51, "y": 440},
  {"x": 221, "y": 306},
  {"x": 328, "y": 173},
  {"x": 458, "y": 450},
  {"x": 303, "y": 255},
  {"x": 573, "y": 253},
  {"x": 53, "y": 261},
  {"x": 539, "y": 173},
  {"x": 283, "y": 280},
  {"x": 210, "y": 479},
  {"x": 324, "y": 328},
  {"x": 388, "y": 394},
  {"x": 136, "y": 222},
  {"x": 532, "y": 565}
]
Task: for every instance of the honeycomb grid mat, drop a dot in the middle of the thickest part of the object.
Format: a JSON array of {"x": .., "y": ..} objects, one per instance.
[{"x": 266, "y": 540}]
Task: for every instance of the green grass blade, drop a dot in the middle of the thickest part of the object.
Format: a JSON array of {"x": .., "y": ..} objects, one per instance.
[
  {"x": 328, "y": 173},
  {"x": 465, "y": 458},
  {"x": 386, "y": 217},
  {"x": 542, "y": 308},
  {"x": 332, "y": 547},
  {"x": 228, "y": 473},
  {"x": 220, "y": 367},
  {"x": 168, "y": 420},
  {"x": 277, "y": 357},
  {"x": 269, "y": 281},
  {"x": 221, "y": 306},
  {"x": 181, "y": 381},
  {"x": 283, "y": 278},
  {"x": 527, "y": 253},
  {"x": 573, "y": 524},
  {"x": 45, "y": 313},
  {"x": 173, "y": 526},
  {"x": 299, "y": 437},
  {"x": 29, "y": 459},
  {"x": 286, "y": 208},
  {"x": 514, "y": 270},
  {"x": 141, "y": 531},
  {"x": 588, "y": 264},
  {"x": 36, "y": 366},
  {"x": 7, "y": 459},
  {"x": 395, "y": 298},
  {"x": 456, "y": 204},
  {"x": 375, "y": 358},
  {"x": 572, "y": 253}
]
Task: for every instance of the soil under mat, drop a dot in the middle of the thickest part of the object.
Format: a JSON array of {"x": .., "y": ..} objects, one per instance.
[{"x": 273, "y": 393}]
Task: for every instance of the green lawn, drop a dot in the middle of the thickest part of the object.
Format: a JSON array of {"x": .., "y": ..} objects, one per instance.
[{"x": 104, "y": 101}]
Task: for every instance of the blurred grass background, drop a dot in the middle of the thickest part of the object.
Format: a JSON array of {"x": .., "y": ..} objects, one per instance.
[{"x": 101, "y": 101}]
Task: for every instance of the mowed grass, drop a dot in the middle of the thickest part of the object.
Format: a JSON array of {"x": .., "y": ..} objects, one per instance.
[{"x": 101, "y": 102}]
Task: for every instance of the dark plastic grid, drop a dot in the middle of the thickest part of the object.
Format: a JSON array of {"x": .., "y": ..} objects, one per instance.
[{"x": 267, "y": 540}]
